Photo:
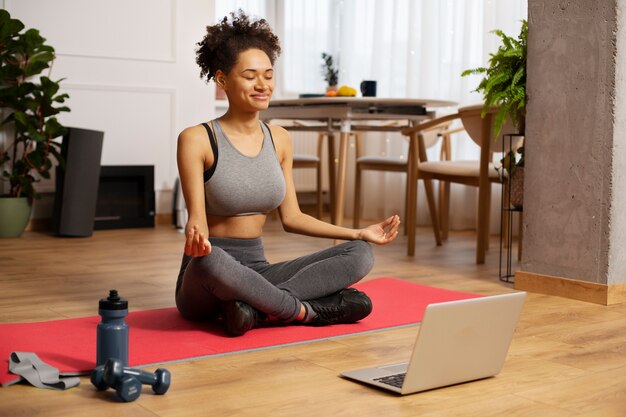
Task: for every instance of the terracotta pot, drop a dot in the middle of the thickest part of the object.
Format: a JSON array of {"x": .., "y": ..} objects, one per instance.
[{"x": 517, "y": 188}]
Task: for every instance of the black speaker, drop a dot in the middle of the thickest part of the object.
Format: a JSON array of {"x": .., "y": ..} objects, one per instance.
[{"x": 77, "y": 184}]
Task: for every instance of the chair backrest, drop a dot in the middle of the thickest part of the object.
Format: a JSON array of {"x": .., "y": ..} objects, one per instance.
[
  {"x": 431, "y": 136},
  {"x": 472, "y": 121}
]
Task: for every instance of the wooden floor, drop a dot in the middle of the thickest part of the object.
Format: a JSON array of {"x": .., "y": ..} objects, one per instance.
[{"x": 568, "y": 358}]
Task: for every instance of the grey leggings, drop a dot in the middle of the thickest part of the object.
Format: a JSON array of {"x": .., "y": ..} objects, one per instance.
[{"x": 236, "y": 269}]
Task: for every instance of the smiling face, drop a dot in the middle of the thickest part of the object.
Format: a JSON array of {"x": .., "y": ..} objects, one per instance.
[{"x": 250, "y": 83}]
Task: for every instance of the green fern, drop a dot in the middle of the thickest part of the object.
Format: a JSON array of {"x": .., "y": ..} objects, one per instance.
[
  {"x": 504, "y": 79},
  {"x": 504, "y": 86}
]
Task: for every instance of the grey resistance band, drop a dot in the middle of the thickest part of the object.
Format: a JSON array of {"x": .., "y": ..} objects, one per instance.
[{"x": 30, "y": 367}]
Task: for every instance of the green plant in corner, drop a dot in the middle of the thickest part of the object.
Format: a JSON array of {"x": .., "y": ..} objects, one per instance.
[
  {"x": 504, "y": 86},
  {"x": 504, "y": 81},
  {"x": 30, "y": 101},
  {"x": 330, "y": 73}
]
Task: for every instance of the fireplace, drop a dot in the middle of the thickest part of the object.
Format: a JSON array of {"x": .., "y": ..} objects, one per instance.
[{"x": 125, "y": 197}]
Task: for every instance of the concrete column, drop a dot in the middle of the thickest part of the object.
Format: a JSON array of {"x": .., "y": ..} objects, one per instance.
[{"x": 575, "y": 181}]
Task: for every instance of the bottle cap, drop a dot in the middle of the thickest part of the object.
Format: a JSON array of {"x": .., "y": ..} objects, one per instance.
[{"x": 113, "y": 302}]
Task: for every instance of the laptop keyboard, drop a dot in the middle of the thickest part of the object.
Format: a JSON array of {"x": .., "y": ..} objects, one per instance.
[{"x": 394, "y": 380}]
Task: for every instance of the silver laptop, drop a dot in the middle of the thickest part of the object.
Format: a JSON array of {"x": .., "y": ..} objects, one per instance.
[{"x": 459, "y": 341}]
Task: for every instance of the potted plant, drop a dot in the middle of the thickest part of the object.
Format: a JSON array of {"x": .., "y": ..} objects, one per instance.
[
  {"x": 29, "y": 102},
  {"x": 504, "y": 86},
  {"x": 330, "y": 73}
]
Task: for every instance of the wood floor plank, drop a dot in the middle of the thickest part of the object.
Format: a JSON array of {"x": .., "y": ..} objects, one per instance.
[
  {"x": 567, "y": 357},
  {"x": 587, "y": 394}
]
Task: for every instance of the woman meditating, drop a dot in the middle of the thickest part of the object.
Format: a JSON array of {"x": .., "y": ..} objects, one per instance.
[{"x": 234, "y": 170}]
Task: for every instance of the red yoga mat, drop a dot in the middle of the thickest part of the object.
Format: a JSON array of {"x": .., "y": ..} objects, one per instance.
[{"x": 160, "y": 336}]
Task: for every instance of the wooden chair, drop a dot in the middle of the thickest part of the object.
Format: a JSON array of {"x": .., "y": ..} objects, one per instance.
[
  {"x": 481, "y": 173},
  {"x": 306, "y": 161},
  {"x": 387, "y": 164},
  {"x": 313, "y": 161},
  {"x": 445, "y": 154}
]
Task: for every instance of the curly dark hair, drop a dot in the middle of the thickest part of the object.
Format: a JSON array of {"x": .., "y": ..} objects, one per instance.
[{"x": 223, "y": 42}]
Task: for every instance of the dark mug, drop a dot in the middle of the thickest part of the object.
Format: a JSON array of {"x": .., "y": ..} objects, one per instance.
[{"x": 368, "y": 88}]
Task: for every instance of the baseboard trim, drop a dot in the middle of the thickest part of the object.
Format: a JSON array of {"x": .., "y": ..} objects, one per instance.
[{"x": 592, "y": 292}]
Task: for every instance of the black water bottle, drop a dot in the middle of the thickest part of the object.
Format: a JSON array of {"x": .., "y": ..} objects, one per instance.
[{"x": 112, "y": 332}]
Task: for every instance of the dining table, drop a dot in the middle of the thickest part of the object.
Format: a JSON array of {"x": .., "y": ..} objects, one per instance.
[{"x": 346, "y": 115}]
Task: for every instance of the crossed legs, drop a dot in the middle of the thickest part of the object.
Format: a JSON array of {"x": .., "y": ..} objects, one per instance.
[{"x": 237, "y": 269}]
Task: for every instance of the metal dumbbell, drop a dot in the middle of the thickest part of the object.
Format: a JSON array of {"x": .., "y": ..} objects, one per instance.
[
  {"x": 97, "y": 378},
  {"x": 127, "y": 388},
  {"x": 127, "y": 381},
  {"x": 159, "y": 380}
]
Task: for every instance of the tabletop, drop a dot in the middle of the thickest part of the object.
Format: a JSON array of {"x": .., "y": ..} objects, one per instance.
[
  {"x": 357, "y": 101},
  {"x": 342, "y": 108}
]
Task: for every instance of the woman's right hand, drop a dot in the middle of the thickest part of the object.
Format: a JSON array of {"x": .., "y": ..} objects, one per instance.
[{"x": 196, "y": 244}]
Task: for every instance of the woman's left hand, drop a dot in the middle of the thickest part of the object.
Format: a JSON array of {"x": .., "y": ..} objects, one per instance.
[{"x": 382, "y": 233}]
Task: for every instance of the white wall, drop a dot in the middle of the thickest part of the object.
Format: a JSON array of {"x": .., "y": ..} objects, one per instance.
[{"x": 129, "y": 68}]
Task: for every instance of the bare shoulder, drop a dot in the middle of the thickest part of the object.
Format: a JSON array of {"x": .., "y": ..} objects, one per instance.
[
  {"x": 280, "y": 135},
  {"x": 194, "y": 139},
  {"x": 193, "y": 144},
  {"x": 282, "y": 142},
  {"x": 278, "y": 131},
  {"x": 193, "y": 133}
]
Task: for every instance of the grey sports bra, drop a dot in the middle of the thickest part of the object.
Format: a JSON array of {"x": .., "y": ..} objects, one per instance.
[{"x": 239, "y": 185}]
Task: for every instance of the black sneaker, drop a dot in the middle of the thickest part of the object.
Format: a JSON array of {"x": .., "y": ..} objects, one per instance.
[
  {"x": 346, "y": 306},
  {"x": 239, "y": 317}
]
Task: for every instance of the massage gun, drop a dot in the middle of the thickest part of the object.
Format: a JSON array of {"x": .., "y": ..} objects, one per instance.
[{"x": 127, "y": 381}]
